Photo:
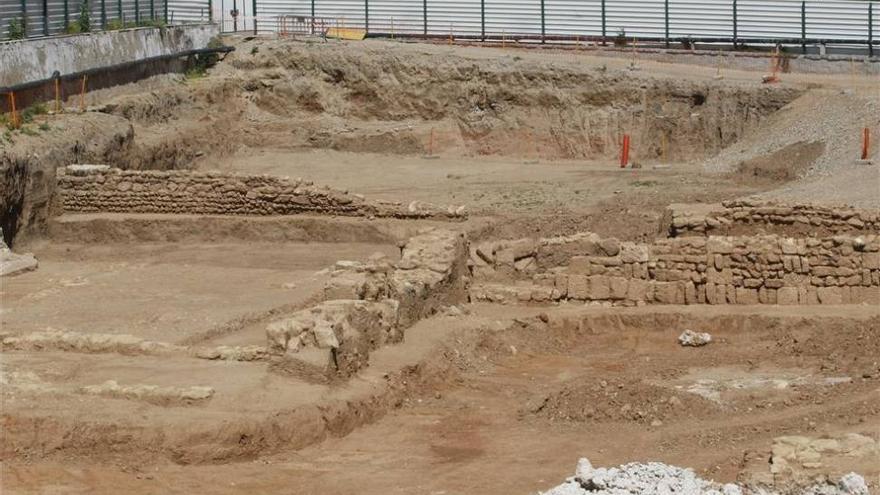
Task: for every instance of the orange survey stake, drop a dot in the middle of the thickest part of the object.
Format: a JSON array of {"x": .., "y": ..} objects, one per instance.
[{"x": 624, "y": 152}]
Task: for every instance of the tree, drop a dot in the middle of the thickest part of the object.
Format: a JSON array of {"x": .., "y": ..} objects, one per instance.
[{"x": 85, "y": 17}]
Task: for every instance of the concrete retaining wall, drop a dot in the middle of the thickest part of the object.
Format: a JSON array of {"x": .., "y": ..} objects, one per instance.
[{"x": 32, "y": 60}]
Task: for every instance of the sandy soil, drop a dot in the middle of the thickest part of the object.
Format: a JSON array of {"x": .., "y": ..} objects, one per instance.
[
  {"x": 165, "y": 292},
  {"x": 496, "y": 429}
]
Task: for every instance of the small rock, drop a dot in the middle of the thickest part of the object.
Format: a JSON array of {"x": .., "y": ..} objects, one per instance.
[
  {"x": 584, "y": 469},
  {"x": 858, "y": 244},
  {"x": 853, "y": 484},
  {"x": 689, "y": 338}
]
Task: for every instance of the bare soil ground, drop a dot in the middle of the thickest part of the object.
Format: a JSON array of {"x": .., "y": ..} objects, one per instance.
[
  {"x": 166, "y": 292},
  {"x": 527, "y": 398},
  {"x": 495, "y": 401}
]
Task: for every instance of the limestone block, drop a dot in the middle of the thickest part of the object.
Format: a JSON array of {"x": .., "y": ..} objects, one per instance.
[
  {"x": 787, "y": 296},
  {"x": 637, "y": 290},
  {"x": 745, "y": 295},
  {"x": 830, "y": 295},
  {"x": 578, "y": 287},
  {"x": 668, "y": 292},
  {"x": 599, "y": 287},
  {"x": 619, "y": 287}
]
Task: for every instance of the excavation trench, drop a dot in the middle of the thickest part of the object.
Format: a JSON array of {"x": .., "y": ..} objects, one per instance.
[
  {"x": 305, "y": 97},
  {"x": 562, "y": 369}
]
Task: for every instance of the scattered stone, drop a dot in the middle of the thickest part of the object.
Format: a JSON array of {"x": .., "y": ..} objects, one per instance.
[
  {"x": 853, "y": 484},
  {"x": 60, "y": 340},
  {"x": 150, "y": 393},
  {"x": 656, "y": 478},
  {"x": 12, "y": 263},
  {"x": 689, "y": 338}
]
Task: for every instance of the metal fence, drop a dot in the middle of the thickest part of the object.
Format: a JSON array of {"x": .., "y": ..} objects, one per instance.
[
  {"x": 35, "y": 18},
  {"x": 737, "y": 22},
  {"x": 847, "y": 22}
]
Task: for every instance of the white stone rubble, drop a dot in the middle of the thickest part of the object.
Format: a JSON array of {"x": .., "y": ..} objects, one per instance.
[
  {"x": 689, "y": 338},
  {"x": 656, "y": 478}
]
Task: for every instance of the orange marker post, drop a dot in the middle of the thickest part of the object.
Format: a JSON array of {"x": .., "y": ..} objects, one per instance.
[
  {"x": 624, "y": 152},
  {"x": 866, "y": 143},
  {"x": 14, "y": 111}
]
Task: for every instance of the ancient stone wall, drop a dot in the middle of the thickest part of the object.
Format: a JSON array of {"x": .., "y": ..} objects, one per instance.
[
  {"x": 370, "y": 304},
  {"x": 751, "y": 217},
  {"x": 686, "y": 270},
  {"x": 97, "y": 188}
]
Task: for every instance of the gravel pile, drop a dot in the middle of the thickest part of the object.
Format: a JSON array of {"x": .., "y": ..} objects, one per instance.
[
  {"x": 835, "y": 117},
  {"x": 656, "y": 478}
]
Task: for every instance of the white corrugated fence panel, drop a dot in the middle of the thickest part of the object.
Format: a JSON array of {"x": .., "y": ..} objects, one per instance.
[
  {"x": 404, "y": 16},
  {"x": 636, "y": 18},
  {"x": 573, "y": 17},
  {"x": 513, "y": 16},
  {"x": 180, "y": 11},
  {"x": 700, "y": 18},
  {"x": 463, "y": 16},
  {"x": 347, "y": 13}
]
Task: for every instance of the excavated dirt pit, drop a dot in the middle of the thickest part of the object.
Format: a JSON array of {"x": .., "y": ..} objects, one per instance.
[
  {"x": 520, "y": 398},
  {"x": 182, "y": 349}
]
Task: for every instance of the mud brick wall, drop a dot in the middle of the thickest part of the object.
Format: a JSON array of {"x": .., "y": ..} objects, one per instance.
[
  {"x": 684, "y": 270},
  {"x": 105, "y": 189},
  {"x": 749, "y": 217}
]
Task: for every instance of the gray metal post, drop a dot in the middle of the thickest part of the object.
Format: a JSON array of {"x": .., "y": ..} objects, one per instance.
[
  {"x": 367, "y": 16},
  {"x": 603, "y": 23},
  {"x": 45, "y": 17},
  {"x": 253, "y": 13},
  {"x": 666, "y": 20},
  {"x": 137, "y": 12},
  {"x": 804, "y": 27},
  {"x": 870, "y": 29},
  {"x": 24, "y": 20},
  {"x": 734, "y": 25},
  {"x": 543, "y": 26},
  {"x": 425, "y": 18},
  {"x": 66, "y": 14},
  {"x": 104, "y": 14},
  {"x": 483, "y": 20}
]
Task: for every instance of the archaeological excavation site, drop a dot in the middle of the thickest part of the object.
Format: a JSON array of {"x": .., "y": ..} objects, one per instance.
[{"x": 301, "y": 264}]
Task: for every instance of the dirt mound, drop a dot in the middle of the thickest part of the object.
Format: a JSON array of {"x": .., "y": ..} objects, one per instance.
[
  {"x": 503, "y": 106},
  {"x": 619, "y": 400},
  {"x": 784, "y": 165}
]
